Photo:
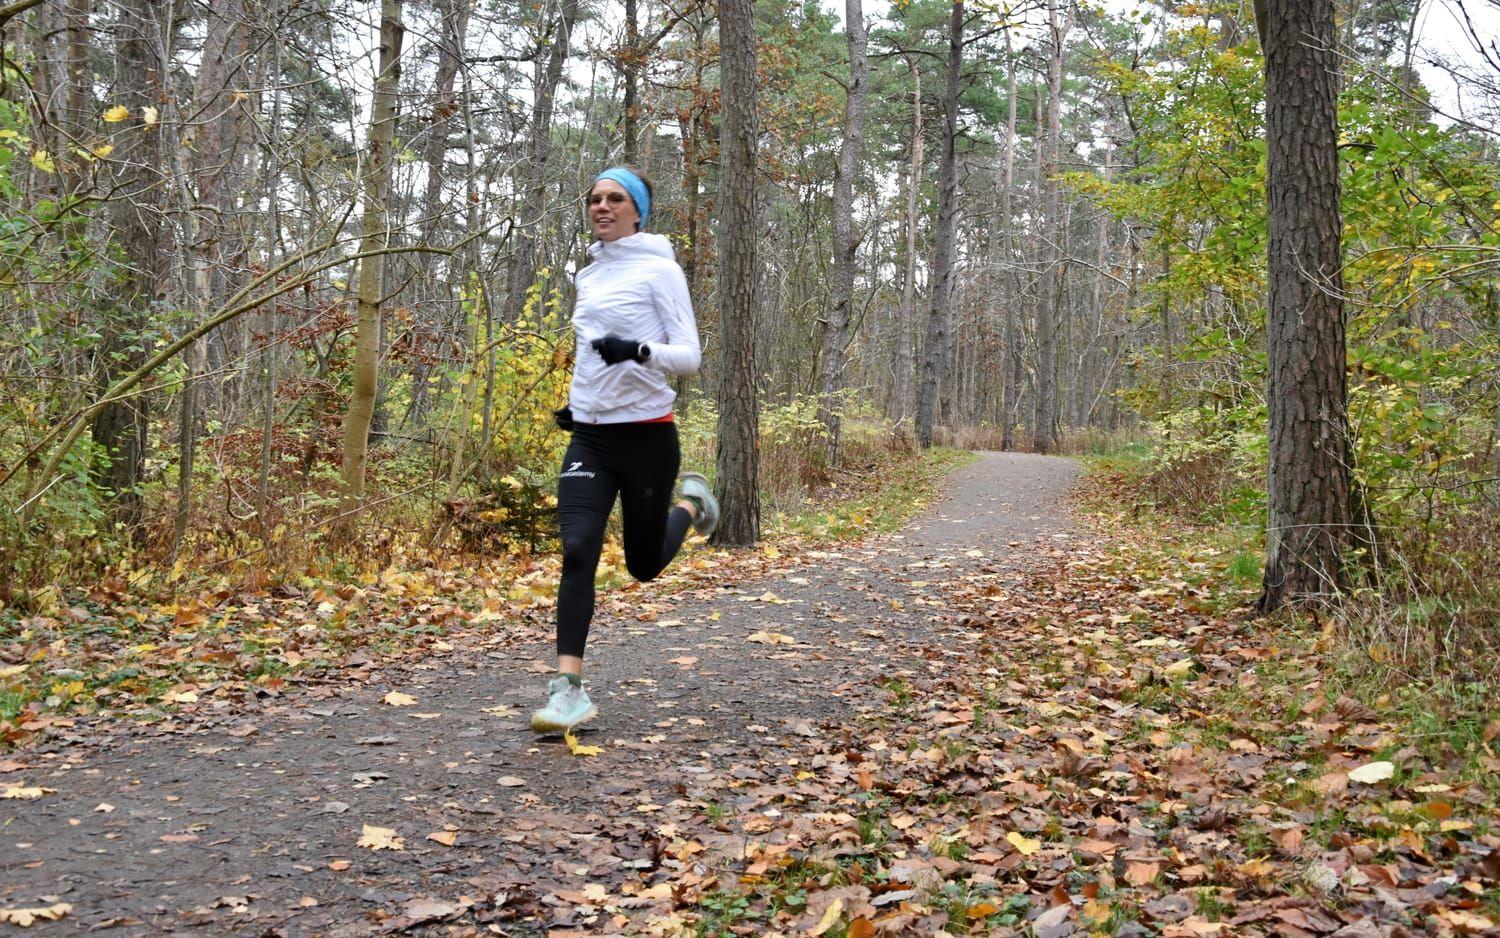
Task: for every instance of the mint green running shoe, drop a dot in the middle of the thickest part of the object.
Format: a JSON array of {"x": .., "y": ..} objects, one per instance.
[
  {"x": 696, "y": 490},
  {"x": 567, "y": 706}
]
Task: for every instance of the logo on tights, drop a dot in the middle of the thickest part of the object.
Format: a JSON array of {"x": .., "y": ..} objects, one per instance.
[{"x": 576, "y": 471}]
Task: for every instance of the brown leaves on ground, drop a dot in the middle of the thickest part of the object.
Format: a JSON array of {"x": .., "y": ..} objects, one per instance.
[{"x": 1085, "y": 750}]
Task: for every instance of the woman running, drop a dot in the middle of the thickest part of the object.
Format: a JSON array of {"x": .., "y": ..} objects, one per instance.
[{"x": 634, "y": 323}]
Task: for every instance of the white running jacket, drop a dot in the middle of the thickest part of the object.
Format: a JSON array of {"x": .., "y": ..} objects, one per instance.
[{"x": 635, "y": 290}]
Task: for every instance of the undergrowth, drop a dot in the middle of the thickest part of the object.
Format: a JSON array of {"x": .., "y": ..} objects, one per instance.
[{"x": 1417, "y": 643}]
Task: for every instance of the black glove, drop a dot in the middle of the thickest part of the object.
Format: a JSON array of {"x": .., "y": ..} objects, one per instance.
[
  {"x": 564, "y": 418},
  {"x": 614, "y": 350}
]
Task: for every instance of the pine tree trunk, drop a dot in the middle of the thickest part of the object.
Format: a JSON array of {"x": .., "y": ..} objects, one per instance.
[
  {"x": 739, "y": 415},
  {"x": 1013, "y": 361},
  {"x": 845, "y": 238},
  {"x": 630, "y": 73},
  {"x": 935, "y": 351},
  {"x": 1043, "y": 430},
  {"x": 375, "y": 237},
  {"x": 906, "y": 327},
  {"x": 1309, "y": 479}
]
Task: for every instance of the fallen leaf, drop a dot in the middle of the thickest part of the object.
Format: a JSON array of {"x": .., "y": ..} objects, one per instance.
[
  {"x": 595, "y": 893},
  {"x": 426, "y": 910},
  {"x": 830, "y": 917},
  {"x": 397, "y": 699},
  {"x": 25, "y": 792},
  {"x": 339, "y": 866},
  {"x": 510, "y": 781},
  {"x": 861, "y": 928},
  {"x": 577, "y": 748},
  {"x": 1139, "y": 873},
  {"x": 446, "y": 838},
  {"x": 770, "y": 638},
  {"x": 380, "y": 838},
  {"x": 1024, "y": 845},
  {"x": 1372, "y": 772},
  {"x": 24, "y": 917},
  {"x": 1179, "y": 668}
]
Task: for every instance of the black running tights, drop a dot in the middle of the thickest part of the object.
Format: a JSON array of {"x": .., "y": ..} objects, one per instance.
[{"x": 638, "y": 462}]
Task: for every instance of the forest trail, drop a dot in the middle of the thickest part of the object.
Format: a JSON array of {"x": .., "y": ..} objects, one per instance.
[{"x": 241, "y": 825}]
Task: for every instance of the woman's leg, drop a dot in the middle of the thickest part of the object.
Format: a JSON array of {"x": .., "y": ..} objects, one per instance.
[
  {"x": 586, "y": 490},
  {"x": 653, "y": 534}
]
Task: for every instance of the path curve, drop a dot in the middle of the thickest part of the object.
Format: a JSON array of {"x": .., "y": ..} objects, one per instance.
[{"x": 250, "y": 826}]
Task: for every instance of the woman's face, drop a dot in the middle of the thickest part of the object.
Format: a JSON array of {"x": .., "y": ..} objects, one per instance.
[{"x": 611, "y": 211}]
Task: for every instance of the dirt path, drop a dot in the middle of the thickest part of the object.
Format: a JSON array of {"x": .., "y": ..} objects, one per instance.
[{"x": 248, "y": 824}]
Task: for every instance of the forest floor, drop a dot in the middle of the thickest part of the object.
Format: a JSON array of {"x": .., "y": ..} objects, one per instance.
[{"x": 1001, "y": 719}]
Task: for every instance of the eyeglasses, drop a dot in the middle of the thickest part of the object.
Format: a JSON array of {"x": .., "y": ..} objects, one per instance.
[{"x": 613, "y": 198}]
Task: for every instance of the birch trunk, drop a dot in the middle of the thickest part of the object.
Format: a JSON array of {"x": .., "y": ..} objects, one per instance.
[{"x": 375, "y": 238}]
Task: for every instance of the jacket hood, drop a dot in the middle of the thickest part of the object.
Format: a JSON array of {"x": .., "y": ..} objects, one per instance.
[{"x": 640, "y": 244}]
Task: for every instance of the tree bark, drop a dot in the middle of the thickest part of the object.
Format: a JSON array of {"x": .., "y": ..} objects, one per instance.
[
  {"x": 738, "y": 455},
  {"x": 935, "y": 351},
  {"x": 845, "y": 238},
  {"x": 375, "y": 237},
  {"x": 213, "y": 128},
  {"x": 439, "y": 308},
  {"x": 534, "y": 231},
  {"x": 119, "y": 427},
  {"x": 1013, "y": 361},
  {"x": 1043, "y": 430},
  {"x": 1309, "y": 480},
  {"x": 906, "y": 327}
]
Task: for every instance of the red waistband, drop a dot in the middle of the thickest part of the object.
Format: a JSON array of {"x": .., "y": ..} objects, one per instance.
[{"x": 667, "y": 419}]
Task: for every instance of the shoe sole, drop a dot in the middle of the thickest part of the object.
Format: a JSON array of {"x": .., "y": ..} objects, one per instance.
[
  {"x": 548, "y": 726},
  {"x": 699, "y": 523}
]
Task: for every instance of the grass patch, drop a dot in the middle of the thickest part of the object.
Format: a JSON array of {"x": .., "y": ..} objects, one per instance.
[{"x": 876, "y": 500}]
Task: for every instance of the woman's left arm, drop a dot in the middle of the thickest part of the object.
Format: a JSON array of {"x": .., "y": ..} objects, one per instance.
[{"x": 681, "y": 354}]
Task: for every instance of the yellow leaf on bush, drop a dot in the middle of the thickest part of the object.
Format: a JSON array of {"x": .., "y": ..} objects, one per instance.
[
  {"x": 1024, "y": 845},
  {"x": 42, "y": 160},
  {"x": 116, "y": 114}
]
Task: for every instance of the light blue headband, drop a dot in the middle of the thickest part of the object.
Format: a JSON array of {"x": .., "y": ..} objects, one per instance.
[{"x": 633, "y": 185}]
